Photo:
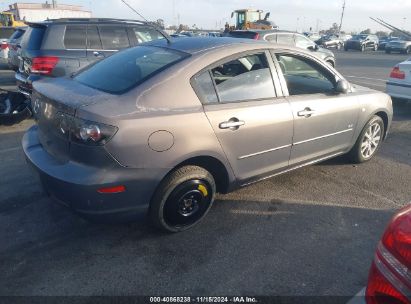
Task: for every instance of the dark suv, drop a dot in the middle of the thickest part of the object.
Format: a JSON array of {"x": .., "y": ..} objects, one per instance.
[
  {"x": 287, "y": 38},
  {"x": 362, "y": 42},
  {"x": 56, "y": 48}
]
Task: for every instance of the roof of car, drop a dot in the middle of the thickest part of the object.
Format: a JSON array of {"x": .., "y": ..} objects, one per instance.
[
  {"x": 89, "y": 20},
  {"x": 199, "y": 44},
  {"x": 264, "y": 31}
]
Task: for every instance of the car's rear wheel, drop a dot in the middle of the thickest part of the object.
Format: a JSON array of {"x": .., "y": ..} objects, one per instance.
[
  {"x": 183, "y": 199},
  {"x": 369, "y": 141}
]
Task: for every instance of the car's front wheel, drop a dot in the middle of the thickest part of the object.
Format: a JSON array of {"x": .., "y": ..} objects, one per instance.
[
  {"x": 369, "y": 141},
  {"x": 183, "y": 199}
]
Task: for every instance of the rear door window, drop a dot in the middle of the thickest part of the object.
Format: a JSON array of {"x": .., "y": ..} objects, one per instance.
[
  {"x": 93, "y": 38},
  {"x": 145, "y": 34},
  {"x": 205, "y": 88},
  {"x": 75, "y": 37},
  {"x": 114, "y": 37},
  {"x": 125, "y": 70},
  {"x": 245, "y": 78}
]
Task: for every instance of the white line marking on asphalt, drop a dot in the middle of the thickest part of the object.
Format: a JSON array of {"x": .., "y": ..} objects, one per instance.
[
  {"x": 367, "y": 78},
  {"x": 10, "y": 150},
  {"x": 256, "y": 212},
  {"x": 369, "y": 84}
]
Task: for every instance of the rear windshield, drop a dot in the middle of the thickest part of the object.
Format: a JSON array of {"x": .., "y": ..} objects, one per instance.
[
  {"x": 17, "y": 34},
  {"x": 125, "y": 70},
  {"x": 33, "y": 39},
  {"x": 246, "y": 35}
]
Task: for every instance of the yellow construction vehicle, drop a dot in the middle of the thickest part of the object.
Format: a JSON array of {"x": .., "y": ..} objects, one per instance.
[
  {"x": 8, "y": 19},
  {"x": 247, "y": 19}
]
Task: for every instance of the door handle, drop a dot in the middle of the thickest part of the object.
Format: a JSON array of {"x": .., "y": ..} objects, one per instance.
[
  {"x": 307, "y": 113},
  {"x": 97, "y": 54},
  {"x": 233, "y": 124}
]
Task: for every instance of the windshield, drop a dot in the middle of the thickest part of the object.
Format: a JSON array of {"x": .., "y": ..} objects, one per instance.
[
  {"x": 359, "y": 37},
  {"x": 125, "y": 70}
]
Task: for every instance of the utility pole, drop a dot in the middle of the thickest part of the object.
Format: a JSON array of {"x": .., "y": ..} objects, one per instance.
[{"x": 342, "y": 18}]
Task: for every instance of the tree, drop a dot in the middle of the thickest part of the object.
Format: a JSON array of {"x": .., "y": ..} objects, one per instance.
[
  {"x": 334, "y": 29},
  {"x": 381, "y": 34},
  {"x": 366, "y": 32}
]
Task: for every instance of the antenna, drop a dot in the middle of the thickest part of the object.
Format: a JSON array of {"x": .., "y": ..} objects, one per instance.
[
  {"x": 342, "y": 18},
  {"x": 165, "y": 35},
  {"x": 134, "y": 10}
]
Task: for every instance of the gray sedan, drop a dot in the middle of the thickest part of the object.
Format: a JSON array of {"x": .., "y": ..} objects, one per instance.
[{"x": 159, "y": 129}]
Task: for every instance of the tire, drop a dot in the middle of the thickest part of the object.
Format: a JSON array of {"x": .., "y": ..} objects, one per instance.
[
  {"x": 387, "y": 52},
  {"x": 375, "y": 47},
  {"x": 408, "y": 50},
  {"x": 346, "y": 49},
  {"x": 182, "y": 199},
  {"x": 369, "y": 141}
]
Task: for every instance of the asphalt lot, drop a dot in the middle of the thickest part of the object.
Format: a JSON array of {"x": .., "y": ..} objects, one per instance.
[{"x": 308, "y": 232}]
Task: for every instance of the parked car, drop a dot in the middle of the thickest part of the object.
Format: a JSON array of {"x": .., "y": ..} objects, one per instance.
[
  {"x": 384, "y": 41},
  {"x": 312, "y": 36},
  {"x": 14, "y": 47},
  {"x": 399, "y": 83},
  {"x": 331, "y": 41},
  {"x": 5, "y": 33},
  {"x": 110, "y": 141},
  {"x": 214, "y": 34},
  {"x": 398, "y": 46},
  {"x": 287, "y": 38},
  {"x": 389, "y": 279},
  {"x": 56, "y": 48},
  {"x": 362, "y": 42}
]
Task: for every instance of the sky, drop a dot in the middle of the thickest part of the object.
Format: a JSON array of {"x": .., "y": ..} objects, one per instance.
[{"x": 293, "y": 15}]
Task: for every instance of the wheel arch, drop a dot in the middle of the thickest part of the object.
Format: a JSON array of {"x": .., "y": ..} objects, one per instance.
[{"x": 384, "y": 116}]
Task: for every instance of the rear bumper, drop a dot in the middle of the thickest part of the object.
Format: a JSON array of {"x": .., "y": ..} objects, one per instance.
[
  {"x": 76, "y": 185},
  {"x": 399, "y": 90},
  {"x": 25, "y": 83}
]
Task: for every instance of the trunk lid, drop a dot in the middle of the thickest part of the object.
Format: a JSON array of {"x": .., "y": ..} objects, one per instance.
[
  {"x": 406, "y": 68},
  {"x": 54, "y": 103}
]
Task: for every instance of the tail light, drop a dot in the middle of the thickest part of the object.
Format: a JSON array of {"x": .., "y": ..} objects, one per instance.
[
  {"x": 257, "y": 36},
  {"x": 44, "y": 65},
  {"x": 390, "y": 276},
  {"x": 82, "y": 131},
  {"x": 4, "y": 45},
  {"x": 397, "y": 73}
]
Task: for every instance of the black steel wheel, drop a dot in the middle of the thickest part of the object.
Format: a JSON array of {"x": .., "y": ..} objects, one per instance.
[{"x": 183, "y": 199}]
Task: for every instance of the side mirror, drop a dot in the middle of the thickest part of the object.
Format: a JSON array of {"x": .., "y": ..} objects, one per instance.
[
  {"x": 314, "y": 47},
  {"x": 232, "y": 14},
  {"x": 342, "y": 86}
]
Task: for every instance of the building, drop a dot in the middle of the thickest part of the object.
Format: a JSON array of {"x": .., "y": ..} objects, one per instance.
[{"x": 34, "y": 12}]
